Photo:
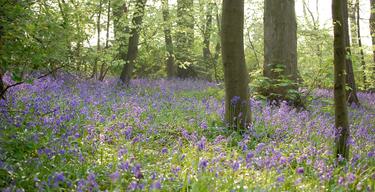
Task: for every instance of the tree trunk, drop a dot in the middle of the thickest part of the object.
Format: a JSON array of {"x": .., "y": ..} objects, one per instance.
[
  {"x": 133, "y": 42},
  {"x": 98, "y": 28},
  {"x": 362, "y": 55},
  {"x": 103, "y": 67},
  {"x": 341, "y": 112},
  {"x": 352, "y": 4},
  {"x": 218, "y": 46},
  {"x": 185, "y": 38},
  {"x": 207, "y": 37},
  {"x": 350, "y": 80},
  {"x": 2, "y": 86},
  {"x": 121, "y": 27},
  {"x": 280, "y": 49},
  {"x": 372, "y": 29},
  {"x": 236, "y": 78},
  {"x": 171, "y": 67}
]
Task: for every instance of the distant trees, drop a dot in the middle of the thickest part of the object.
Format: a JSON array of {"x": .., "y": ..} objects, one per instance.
[
  {"x": 131, "y": 55},
  {"x": 341, "y": 112},
  {"x": 237, "y": 103},
  {"x": 280, "y": 50}
]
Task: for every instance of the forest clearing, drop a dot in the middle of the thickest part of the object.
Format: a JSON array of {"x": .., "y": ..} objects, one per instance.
[{"x": 187, "y": 95}]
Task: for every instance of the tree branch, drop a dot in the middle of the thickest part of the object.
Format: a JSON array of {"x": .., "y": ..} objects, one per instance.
[{"x": 2, "y": 93}]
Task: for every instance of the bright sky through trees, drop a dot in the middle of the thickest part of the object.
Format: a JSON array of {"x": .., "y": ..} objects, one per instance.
[{"x": 324, "y": 14}]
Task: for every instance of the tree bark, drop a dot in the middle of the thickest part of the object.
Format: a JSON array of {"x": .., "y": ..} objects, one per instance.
[
  {"x": 121, "y": 27},
  {"x": 98, "y": 28},
  {"x": 217, "y": 47},
  {"x": 352, "y": 4},
  {"x": 236, "y": 78},
  {"x": 372, "y": 30},
  {"x": 362, "y": 54},
  {"x": 103, "y": 66},
  {"x": 341, "y": 112},
  {"x": 171, "y": 66},
  {"x": 280, "y": 49},
  {"x": 350, "y": 80},
  {"x": 185, "y": 38},
  {"x": 133, "y": 42},
  {"x": 2, "y": 86},
  {"x": 207, "y": 57}
]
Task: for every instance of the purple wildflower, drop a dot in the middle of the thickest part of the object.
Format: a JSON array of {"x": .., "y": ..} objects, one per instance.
[
  {"x": 300, "y": 170},
  {"x": 202, "y": 144},
  {"x": 155, "y": 185},
  {"x": 114, "y": 176}
]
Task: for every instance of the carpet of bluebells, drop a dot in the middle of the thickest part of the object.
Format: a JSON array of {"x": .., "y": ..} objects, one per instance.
[{"x": 69, "y": 134}]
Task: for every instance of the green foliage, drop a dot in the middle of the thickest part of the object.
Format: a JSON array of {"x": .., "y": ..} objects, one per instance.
[{"x": 39, "y": 35}]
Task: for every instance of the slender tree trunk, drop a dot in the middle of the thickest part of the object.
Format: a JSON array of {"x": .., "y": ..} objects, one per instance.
[
  {"x": 350, "y": 80},
  {"x": 2, "y": 86},
  {"x": 133, "y": 42},
  {"x": 171, "y": 66},
  {"x": 362, "y": 54},
  {"x": 207, "y": 38},
  {"x": 341, "y": 112},
  {"x": 253, "y": 49},
  {"x": 236, "y": 78},
  {"x": 280, "y": 49},
  {"x": 103, "y": 67},
  {"x": 353, "y": 22},
  {"x": 372, "y": 31},
  {"x": 98, "y": 28},
  {"x": 372, "y": 28},
  {"x": 218, "y": 46},
  {"x": 79, "y": 30},
  {"x": 185, "y": 38}
]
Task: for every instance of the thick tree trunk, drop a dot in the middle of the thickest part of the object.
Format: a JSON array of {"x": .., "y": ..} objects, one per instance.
[
  {"x": 121, "y": 27},
  {"x": 98, "y": 28},
  {"x": 185, "y": 38},
  {"x": 280, "y": 49},
  {"x": 171, "y": 66},
  {"x": 133, "y": 42},
  {"x": 350, "y": 80},
  {"x": 341, "y": 112},
  {"x": 237, "y": 103}
]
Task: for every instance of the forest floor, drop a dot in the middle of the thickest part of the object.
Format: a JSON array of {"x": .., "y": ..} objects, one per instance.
[{"x": 76, "y": 135}]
